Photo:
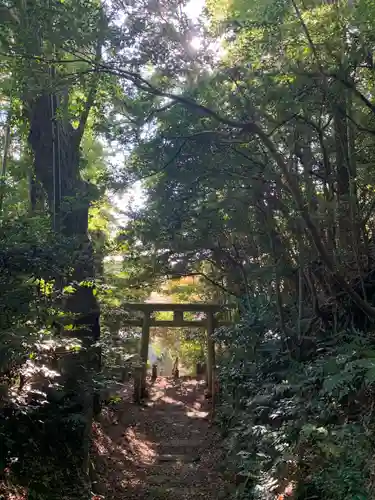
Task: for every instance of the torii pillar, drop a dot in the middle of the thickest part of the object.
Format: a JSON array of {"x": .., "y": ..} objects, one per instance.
[
  {"x": 210, "y": 353},
  {"x": 141, "y": 371}
]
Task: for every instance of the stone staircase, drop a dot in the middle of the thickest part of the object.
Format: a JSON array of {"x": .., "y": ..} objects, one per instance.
[{"x": 175, "y": 428}]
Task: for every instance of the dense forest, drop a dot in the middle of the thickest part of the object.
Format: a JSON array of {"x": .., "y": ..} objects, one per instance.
[{"x": 144, "y": 142}]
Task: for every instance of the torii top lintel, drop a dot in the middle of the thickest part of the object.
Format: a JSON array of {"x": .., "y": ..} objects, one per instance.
[{"x": 163, "y": 306}]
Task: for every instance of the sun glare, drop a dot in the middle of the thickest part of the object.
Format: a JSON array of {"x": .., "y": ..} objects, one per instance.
[
  {"x": 196, "y": 42},
  {"x": 194, "y": 8}
]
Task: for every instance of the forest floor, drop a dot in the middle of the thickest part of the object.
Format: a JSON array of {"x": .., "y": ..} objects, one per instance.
[{"x": 163, "y": 450}]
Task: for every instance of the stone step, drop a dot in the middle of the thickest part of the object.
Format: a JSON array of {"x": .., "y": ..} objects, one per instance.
[
  {"x": 189, "y": 444},
  {"x": 178, "y": 417},
  {"x": 171, "y": 413},
  {"x": 177, "y": 457},
  {"x": 184, "y": 442},
  {"x": 181, "y": 492},
  {"x": 171, "y": 481},
  {"x": 179, "y": 451}
]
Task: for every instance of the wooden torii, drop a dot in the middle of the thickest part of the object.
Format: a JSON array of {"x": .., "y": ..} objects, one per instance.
[{"x": 147, "y": 308}]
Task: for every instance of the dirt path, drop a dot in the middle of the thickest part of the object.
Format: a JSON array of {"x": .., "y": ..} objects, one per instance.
[{"x": 165, "y": 450}]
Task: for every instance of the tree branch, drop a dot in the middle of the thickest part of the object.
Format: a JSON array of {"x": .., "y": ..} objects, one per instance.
[
  {"x": 312, "y": 229},
  {"x": 78, "y": 133},
  {"x": 142, "y": 84},
  {"x": 166, "y": 165},
  {"x": 210, "y": 280},
  {"x": 253, "y": 129}
]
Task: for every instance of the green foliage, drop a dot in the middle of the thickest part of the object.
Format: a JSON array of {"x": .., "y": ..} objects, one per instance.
[
  {"x": 191, "y": 352},
  {"x": 26, "y": 435},
  {"x": 308, "y": 423},
  {"x": 29, "y": 255},
  {"x": 32, "y": 258}
]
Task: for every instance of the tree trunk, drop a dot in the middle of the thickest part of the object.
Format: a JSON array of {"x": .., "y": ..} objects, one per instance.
[
  {"x": 56, "y": 158},
  {"x": 145, "y": 341},
  {"x": 210, "y": 353},
  {"x": 4, "y": 161}
]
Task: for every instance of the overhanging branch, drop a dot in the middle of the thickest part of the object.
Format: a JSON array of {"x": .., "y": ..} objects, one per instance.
[{"x": 92, "y": 94}]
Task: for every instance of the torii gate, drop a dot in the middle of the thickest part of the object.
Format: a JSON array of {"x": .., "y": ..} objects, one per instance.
[{"x": 209, "y": 323}]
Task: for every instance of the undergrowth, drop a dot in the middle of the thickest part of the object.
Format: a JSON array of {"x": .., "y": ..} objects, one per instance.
[{"x": 299, "y": 426}]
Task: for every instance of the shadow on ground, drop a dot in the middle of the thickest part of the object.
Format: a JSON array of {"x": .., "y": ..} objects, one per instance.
[{"x": 161, "y": 451}]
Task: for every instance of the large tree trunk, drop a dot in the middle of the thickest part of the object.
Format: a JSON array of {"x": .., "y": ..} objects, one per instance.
[{"x": 55, "y": 145}]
